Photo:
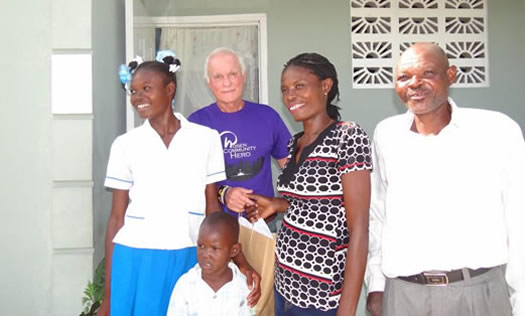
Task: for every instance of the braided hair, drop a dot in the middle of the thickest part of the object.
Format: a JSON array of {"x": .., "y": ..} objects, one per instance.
[{"x": 322, "y": 68}]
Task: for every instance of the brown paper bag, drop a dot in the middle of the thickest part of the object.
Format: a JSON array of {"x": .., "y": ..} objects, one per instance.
[{"x": 259, "y": 250}]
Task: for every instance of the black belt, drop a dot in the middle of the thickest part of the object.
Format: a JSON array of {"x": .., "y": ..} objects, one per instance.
[{"x": 441, "y": 277}]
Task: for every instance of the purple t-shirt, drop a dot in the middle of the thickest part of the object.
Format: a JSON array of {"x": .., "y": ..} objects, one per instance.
[{"x": 250, "y": 137}]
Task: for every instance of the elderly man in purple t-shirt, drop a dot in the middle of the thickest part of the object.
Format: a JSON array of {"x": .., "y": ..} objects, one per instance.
[{"x": 251, "y": 133}]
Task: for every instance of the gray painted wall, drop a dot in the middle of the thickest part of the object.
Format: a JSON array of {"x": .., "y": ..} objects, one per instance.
[
  {"x": 38, "y": 277},
  {"x": 109, "y": 106},
  {"x": 296, "y": 26},
  {"x": 25, "y": 186}
]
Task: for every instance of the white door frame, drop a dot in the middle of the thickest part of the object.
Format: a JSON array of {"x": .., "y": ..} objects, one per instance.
[{"x": 200, "y": 21}]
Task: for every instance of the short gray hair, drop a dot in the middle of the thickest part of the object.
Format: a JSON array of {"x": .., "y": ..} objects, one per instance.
[{"x": 222, "y": 50}]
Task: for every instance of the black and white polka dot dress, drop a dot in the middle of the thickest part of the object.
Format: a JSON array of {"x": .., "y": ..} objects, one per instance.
[{"x": 311, "y": 246}]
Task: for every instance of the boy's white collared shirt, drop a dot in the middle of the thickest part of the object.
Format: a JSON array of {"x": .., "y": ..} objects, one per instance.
[{"x": 194, "y": 297}]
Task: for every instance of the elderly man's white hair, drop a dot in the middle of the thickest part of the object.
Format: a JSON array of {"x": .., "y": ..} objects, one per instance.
[{"x": 222, "y": 50}]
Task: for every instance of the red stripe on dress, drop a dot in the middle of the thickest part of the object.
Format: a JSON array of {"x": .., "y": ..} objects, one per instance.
[
  {"x": 313, "y": 197},
  {"x": 321, "y": 159},
  {"x": 341, "y": 247},
  {"x": 352, "y": 165},
  {"x": 336, "y": 292},
  {"x": 306, "y": 275},
  {"x": 307, "y": 232}
]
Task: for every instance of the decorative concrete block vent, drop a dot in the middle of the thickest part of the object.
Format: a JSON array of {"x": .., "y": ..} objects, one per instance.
[{"x": 383, "y": 29}]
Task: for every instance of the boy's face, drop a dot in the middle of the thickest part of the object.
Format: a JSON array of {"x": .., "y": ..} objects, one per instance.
[{"x": 215, "y": 248}]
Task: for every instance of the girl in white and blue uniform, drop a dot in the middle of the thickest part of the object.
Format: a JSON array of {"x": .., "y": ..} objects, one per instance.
[{"x": 163, "y": 176}]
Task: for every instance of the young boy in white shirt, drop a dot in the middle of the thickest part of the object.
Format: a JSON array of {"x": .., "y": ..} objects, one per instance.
[{"x": 214, "y": 286}]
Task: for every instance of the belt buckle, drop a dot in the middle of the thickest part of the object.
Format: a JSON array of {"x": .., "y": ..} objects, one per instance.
[{"x": 435, "y": 278}]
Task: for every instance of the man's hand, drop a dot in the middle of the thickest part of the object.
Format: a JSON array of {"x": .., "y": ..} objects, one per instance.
[
  {"x": 253, "y": 279},
  {"x": 237, "y": 198},
  {"x": 374, "y": 303}
]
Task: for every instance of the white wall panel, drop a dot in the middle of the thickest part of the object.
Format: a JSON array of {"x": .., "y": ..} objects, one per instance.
[
  {"x": 72, "y": 150},
  {"x": 71, "y": 84},
  {"x": 70, "y": 275},
  {"x": 72, "y": 217}
]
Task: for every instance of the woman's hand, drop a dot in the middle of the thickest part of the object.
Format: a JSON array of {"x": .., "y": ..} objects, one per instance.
[
  {"x": 253, "y": 279},
  {"x": 265, "y": 207},
  {"x": 252, "y": 213}
]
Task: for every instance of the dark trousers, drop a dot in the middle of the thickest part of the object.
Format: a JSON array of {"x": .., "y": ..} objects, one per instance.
[
  {"x": 483, "y": 295},
  {"x": 285, "y": 308}
]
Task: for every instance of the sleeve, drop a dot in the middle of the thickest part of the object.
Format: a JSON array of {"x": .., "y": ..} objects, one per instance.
[
  {"x": 118, "y": 174},
  {"x": 281, "y": 138},
  {"x": 194, "y": 117},
  {"x": 514, "y": 204},
  {"x": 179, "y": 303},
  {"x": 374, "y": 278},
  {"x": 354, "y": 149},
  {"x": 215, "y": 168}
]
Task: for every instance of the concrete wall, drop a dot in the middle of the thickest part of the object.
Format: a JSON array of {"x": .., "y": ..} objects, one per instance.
[
  {"x": 25, "y": 186},
  {"x": 296, "y": 26},
  {"x": 109, "y": 106},
  {"x": 506, "y": 44},
  {"x": 47, "y": 132},
  {"x": 71, "y": 154}
]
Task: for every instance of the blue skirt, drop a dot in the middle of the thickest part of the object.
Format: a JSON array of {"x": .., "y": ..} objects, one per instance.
[{"x": 142, "y": 279}]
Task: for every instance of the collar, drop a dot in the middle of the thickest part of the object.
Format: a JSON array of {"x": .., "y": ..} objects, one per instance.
[
  {"x": 183, "y": 122},
  {"x": 455, "y": 115},
  {"x": 245, "y": 103},
  {"x": 235, "y": 275},
  {"x": 231, "y": 265}
]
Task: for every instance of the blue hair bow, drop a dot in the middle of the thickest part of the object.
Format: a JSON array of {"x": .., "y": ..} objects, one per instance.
[{"x": 124, "y": 74}]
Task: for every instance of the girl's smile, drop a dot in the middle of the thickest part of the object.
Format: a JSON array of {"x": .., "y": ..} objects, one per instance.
[{"x": 150, "y": 94}]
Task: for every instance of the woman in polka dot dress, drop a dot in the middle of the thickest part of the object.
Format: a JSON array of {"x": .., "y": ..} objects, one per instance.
[{"x": 323, "y": 242}]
